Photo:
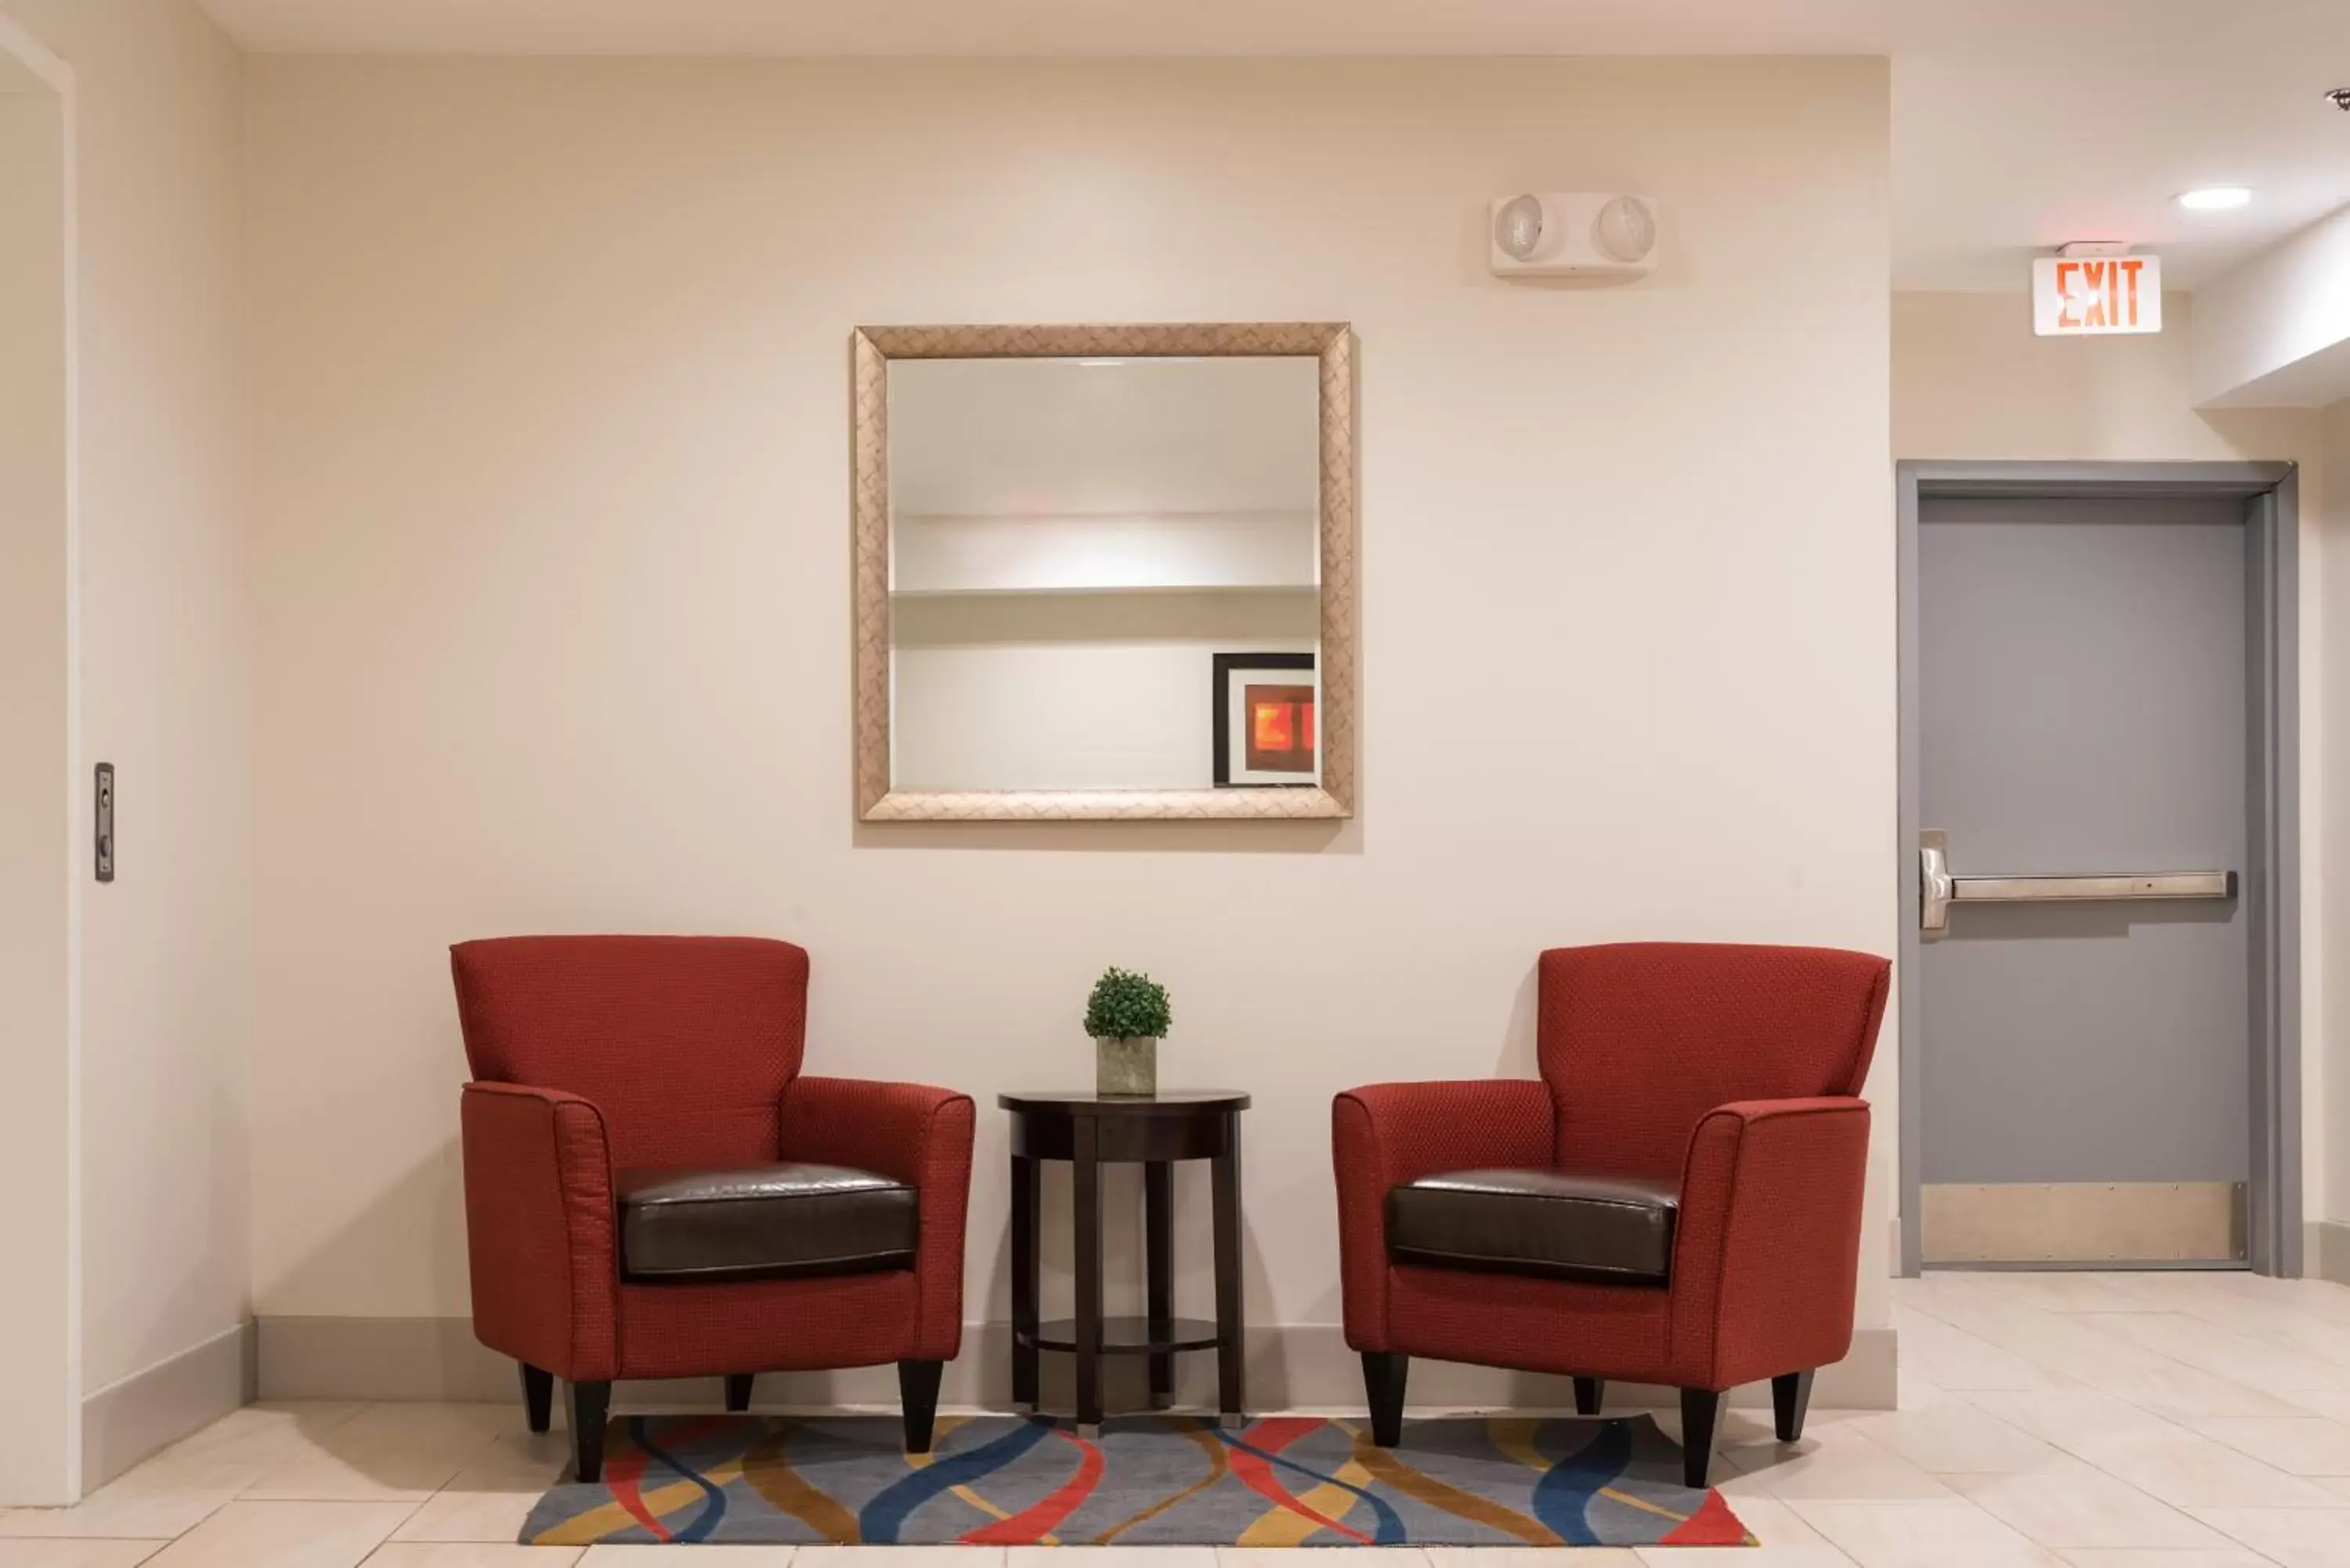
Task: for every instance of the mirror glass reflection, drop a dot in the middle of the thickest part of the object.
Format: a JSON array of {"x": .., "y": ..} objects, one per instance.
[{"x": 1103, "y": 573}]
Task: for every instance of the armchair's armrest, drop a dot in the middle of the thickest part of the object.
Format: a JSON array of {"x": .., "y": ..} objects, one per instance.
[
  {"x": 1385, "y": 1134},
  {"x": 912, "y": 1133},
  {"x": 1768, "y": 1245},
  {"x": 540, "y": 1228}
]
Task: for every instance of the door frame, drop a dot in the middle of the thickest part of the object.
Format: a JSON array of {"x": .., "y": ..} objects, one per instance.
[{"x": 2271, "y": 897}]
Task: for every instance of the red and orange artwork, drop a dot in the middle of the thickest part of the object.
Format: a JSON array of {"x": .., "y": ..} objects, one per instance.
[
  {"x": 1280, "y": 728},
  {"x": 1264, "y": 733}
]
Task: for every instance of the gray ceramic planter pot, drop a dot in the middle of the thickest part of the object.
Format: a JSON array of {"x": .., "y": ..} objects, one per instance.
[{"x": 1127, "y": 1066}]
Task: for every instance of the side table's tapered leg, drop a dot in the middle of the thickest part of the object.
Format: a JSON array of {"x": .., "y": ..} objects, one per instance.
[
  {"x": 1159, "y": 1270},
  {"x": 1025, "y": 1269},
  {"x": 1232, "y": 1331},
  {"x": 1086, "y": 1178}
]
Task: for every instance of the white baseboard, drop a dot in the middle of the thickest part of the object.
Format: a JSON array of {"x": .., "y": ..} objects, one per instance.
[
  {"x": 1300, "y": 1367},
  {"x": 2325, "y": 1251},
  {"x": 131, "y": 1418}
]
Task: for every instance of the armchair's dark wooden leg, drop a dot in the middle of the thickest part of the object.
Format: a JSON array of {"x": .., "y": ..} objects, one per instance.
[
  {"x": 1791, "y": 1399},
  {"x": 918, "y": 1391},
  {"x": 538, "y": 1397},
  {"x": 1383, "y": 1372},
  {"x": 591, "y": 1405},
  {"x": 738, "y": 1389},
  {"x": 1590, "y": 1393},
  {"x": 1699, "y": 1408}
]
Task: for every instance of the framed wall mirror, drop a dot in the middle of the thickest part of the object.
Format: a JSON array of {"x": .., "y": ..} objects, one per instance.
[{"x": 1104, "y": 572}]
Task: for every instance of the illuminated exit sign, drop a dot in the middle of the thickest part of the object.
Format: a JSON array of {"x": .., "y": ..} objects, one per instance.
[{"x": 2074, "y": 296}]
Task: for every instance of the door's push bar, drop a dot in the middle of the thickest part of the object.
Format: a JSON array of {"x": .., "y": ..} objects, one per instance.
[{"x": 1938, "y": 889}]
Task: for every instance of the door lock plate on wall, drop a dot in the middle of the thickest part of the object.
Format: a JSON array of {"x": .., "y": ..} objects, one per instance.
[{"x": 102, "y": 815}]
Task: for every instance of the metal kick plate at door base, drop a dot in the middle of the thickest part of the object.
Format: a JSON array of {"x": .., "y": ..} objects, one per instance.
[
  {"x": 1939, "y": 888},
  {"x": 2077, "y": 1224}
]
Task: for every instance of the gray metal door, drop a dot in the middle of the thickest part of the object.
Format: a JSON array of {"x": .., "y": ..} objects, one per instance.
[{"x": 2084, "y": 723}]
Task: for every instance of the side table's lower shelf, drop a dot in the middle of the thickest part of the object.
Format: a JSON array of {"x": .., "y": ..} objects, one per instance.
[{"x": 1125, "y": 1336}]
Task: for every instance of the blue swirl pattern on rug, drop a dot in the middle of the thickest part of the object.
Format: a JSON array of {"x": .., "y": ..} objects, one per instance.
[
  {"x": 879, "y": 1522},
  {"x": 707, "y": 1520},
  {"x": 1563, "y": 1497}
]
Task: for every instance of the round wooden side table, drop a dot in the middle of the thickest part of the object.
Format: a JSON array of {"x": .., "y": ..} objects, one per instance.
[{"x": 1086, "y": 1129}]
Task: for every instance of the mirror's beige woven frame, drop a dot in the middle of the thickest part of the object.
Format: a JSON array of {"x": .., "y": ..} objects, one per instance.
[{"x": 1332, "y": 343}]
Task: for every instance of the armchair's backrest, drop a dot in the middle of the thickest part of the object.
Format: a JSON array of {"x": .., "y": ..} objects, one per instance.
[
  {"x": 685, "y": 1043},
  {"x": 1640, "y": 1040}
]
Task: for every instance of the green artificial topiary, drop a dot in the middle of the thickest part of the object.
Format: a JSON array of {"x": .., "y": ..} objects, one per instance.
[{"x": 1127, "y": 1006}]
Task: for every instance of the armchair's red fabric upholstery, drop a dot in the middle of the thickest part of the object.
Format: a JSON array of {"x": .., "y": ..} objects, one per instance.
[
  {"x": 540, "y": 1228},
  {"x": 1388, "y": 1134},
  {"x": 1735, "y": 1069},
  {"x": 596, "y": 1053},
  {"x": 920, "y": 1136}
]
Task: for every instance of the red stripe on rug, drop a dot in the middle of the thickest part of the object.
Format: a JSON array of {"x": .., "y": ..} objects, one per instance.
[
  {"x": 1271, "y": 1435},
  {"x": 1711, "y": 1525},
  {"x": 1033, "y": 1524},
  {"x": 622, "y": 1471}
]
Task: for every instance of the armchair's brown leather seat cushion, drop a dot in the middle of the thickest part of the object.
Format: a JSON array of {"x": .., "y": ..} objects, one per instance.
[
  {"x": 763, "y": 1222},
  {"x": 1558, "y": 1224}
]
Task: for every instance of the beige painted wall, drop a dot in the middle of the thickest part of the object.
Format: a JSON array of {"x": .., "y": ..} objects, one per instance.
[
  {"x": 38, "y": 1354},
  {"x": 1970, "y": 380},
  {"x": 166, "y": 675},
  {"x": 552, "y": 497}
]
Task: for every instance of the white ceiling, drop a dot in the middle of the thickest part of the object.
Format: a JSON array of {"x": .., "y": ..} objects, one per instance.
[{"x": 2017, "y": 124}]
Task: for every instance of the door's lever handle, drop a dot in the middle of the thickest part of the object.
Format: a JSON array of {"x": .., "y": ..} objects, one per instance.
[
  {"x": 1934, "y": 887},
  {"x": 1938, "y": 889}
]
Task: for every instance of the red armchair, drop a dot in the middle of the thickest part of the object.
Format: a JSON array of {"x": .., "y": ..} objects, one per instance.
[
  {"x": 653, "y": 1189},
  {"x": 1676, "y": 1200}
]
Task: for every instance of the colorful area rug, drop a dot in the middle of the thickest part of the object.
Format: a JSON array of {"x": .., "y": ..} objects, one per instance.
[{"x": 1167, "y": 1480}]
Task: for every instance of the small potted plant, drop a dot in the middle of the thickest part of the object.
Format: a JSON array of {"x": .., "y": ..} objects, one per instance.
[{"x": 1128, "y": 1016}]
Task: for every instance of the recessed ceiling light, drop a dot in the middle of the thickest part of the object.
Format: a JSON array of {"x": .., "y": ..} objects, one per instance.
[{"x": 2214, "y": 198}]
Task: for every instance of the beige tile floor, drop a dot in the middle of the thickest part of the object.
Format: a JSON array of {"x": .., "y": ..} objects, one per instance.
[{"x": 2046, "y": 1421}]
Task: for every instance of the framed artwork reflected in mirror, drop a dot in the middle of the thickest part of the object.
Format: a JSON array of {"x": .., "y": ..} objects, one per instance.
[{"x": 1263, "y": 730}]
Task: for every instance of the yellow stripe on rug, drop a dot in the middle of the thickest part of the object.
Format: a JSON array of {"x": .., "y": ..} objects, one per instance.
[
  {"x": 788, "y": 1492},
  {"x": 1202, "y": 1438},
  {"x": 1422, "y": 1487},
  {"x": 610, "y": 1518},
  {"x": 1282, "y": 1526}
]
